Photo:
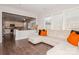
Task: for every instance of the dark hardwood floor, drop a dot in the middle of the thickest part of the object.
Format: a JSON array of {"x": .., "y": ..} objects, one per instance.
[{"x": 22, "y": 47}]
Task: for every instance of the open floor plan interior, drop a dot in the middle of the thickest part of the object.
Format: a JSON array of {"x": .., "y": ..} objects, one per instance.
[{"x": 39, "y": 29}]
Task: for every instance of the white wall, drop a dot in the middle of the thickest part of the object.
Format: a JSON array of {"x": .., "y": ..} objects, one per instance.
[
  {"x": 40, "y": 23},
  {"x": 66, "y": 20},
  {"x": 71, "y": 19},
  {"x": 55, "y": 20},
  {"x": 14, "y": 11}
]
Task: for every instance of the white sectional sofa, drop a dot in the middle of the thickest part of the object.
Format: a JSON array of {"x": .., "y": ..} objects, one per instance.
[
  {"x": 54, "y": 37},
  {"x": 58, "y": 39},
  {"x": 64, "y": 48}
]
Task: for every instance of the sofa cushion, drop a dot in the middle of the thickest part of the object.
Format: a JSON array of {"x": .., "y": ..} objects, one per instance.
[
  {"x": 73, "y": 38},
  {"x": 63, "y": 34}
]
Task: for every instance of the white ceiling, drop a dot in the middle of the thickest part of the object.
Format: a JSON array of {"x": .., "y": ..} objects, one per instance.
[{"x": 43, "y": 9}]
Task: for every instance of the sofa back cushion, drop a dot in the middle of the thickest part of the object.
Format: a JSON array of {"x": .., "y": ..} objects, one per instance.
[{"x": 61, "y": 34}]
